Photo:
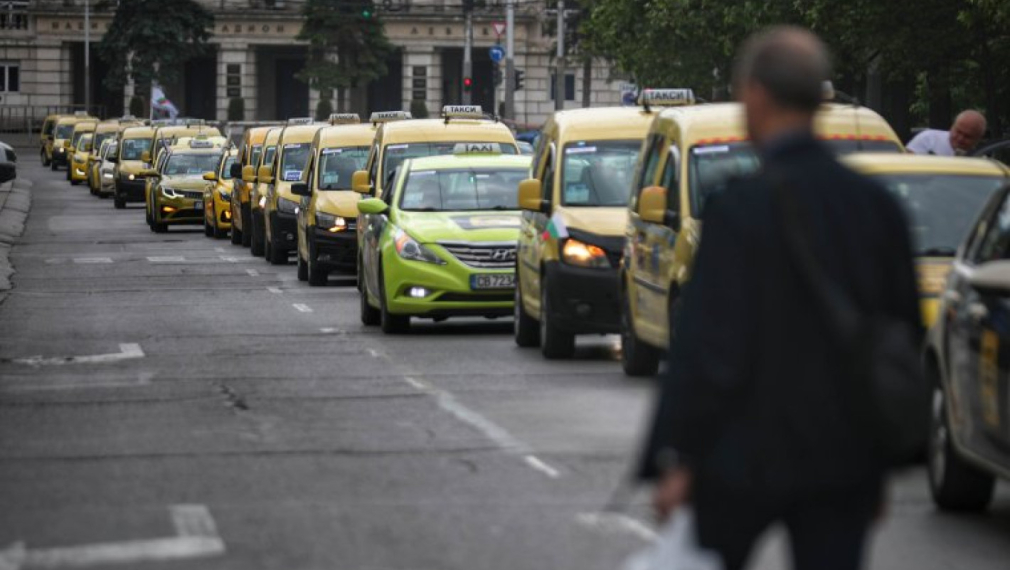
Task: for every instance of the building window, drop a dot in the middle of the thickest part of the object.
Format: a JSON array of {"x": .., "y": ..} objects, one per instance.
[
  {"x": 10, "y": 78},
  {"x": 569, "y": 86}
]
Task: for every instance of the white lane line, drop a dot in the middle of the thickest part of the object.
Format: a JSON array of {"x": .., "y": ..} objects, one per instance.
[
  {"x": 535, "y": 462},
  {"x": 617, "y": 523},
  {"x": 416, "y": 383},
  {"x": 88, "y": 260},
  {"x": 126, "y": 352},
  {"x": 274, "y": 290},
  {"x": 252, "y": 272},
  {"x": 328, "y": 330},
  {"x": 228, "y": 258},
  {"x": 166, "y": 259},
  {"x": 302, "y": 307},
  {"x": 374, "y": 353},
  {"x": 491, "y": 430},
  {"x": 143, "y": 379},
  {"x": 196, "y": 537},
  {"x": 219, "y": 249}
]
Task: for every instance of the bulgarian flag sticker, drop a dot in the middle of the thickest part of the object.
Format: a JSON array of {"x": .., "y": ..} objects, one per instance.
[{"x": 555, "y": 228}]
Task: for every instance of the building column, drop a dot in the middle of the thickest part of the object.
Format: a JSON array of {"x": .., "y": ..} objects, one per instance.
[
  {"x": 422, "y": 77},
  {"x": 236, "y": 77}
]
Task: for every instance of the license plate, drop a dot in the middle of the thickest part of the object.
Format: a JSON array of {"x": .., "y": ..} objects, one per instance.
[
  {"x": 493, "y": 281},
  {"x": 198, "y": 205}
]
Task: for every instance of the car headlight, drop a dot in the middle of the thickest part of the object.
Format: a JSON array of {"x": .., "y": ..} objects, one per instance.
[
  {"x": 224, "y": 194},
  {"x": 286, "y": 206},
  {"x": 583, "y": 254},
  {"x": 408, "y": 248},
  {"x": 61, "y": 150},
  {"x": 131, "y": 176},
  {"x": 107, "y": 175},
  {"x": 330, "y": 223},
  {"x": 263, "y": 202},
  {"x": 170, "y": 192}
]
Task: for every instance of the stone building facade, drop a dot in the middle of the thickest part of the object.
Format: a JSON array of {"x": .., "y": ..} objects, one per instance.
[{"x": 255, "y": 56}]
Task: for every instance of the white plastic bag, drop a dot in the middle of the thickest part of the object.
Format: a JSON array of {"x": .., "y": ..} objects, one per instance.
[{"x": 676, "y": 548}]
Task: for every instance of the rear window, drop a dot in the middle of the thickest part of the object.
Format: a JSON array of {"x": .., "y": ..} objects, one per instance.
[{"x": 397, "y": 153}]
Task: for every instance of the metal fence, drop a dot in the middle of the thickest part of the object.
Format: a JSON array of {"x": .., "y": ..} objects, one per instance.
[{"x": 29, "y": 118}]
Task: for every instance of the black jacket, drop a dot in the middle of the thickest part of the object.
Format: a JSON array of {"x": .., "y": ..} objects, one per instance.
[{"x": 751, "y": 397}]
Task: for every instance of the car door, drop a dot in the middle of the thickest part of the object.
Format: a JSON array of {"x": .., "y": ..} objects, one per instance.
[
  {"x": 533, "y": 226},
  {"x": 641, "y": 262}
]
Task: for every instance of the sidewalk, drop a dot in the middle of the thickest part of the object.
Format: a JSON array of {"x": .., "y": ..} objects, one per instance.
[{"x": 15, "y": 201}]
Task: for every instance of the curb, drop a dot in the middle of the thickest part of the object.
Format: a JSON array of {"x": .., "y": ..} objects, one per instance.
[{"x": 15, "y": 202}]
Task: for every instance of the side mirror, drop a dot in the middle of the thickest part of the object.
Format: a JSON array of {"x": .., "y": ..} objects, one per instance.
[
  {"x": 145, "y": 156},
  {"x": 372, "y": 206},
  {"x": 991, "y": 278},
  {"x": 530, "y": 192},
  {"x": 359, "y": 182},
  {"x": 300, "y": 189},
  {"x": 149, "y": 172},
  {"x": 653, "y": 208},
  {"x": 210, "y": 176},
  {"x": 249, "y": 173},
  {"x": 235, "y": 171},
  {"x": 265, "y": 175}
]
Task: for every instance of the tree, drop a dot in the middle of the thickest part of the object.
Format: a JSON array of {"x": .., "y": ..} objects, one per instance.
[
  {"x": 148, "y": 42},
  {"x": 347, "y": 46}
]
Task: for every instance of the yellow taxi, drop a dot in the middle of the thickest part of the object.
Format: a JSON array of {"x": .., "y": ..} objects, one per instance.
[
  {"x": 942, "y": 197},
  {"x": 77, "y": 170},
  {"x": 178, "y": 184},
  {"x": 164, "y": 135},
  {"x": 249, "y": 155},
  {"x": 260, "y": 177},
  {"x": 328, "y": 207},
  {"x": 278, "y": 206},
  {"x": 127, "y": 178},
  {"x": 217, "y": 198},
  {"x": 46, "y": 138},
  {"x": 574, "y": 213},
  {"x": 63, "y": 133},
  {"x": 105, "y": 130},
  {"x": 690, "y": 154}
]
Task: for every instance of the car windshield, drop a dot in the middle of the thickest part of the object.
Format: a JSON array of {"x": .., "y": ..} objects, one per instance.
[
  {"x": 940, "y": 207},
  {"x": 191, "y": 164},
  {"x": 462, "y": 189},
  {"x": 293, "y": 161},
  {"x": 226, "y": 170},
  {"x": 133, "y": 148},
  {"x": 849, "y": 146},
  {"x": 711, "y": 167},
  {"x": 254, "y": 156},
  {"x": 100, "y": 138},
  {"x": 598, "y": 173},
  {"x": 64, "y": 131},
  {"x": 84, "y": 143},
  {"x": 338, "y": 165},
  {"x": 77, "y": 138},
  {"x": 110, "y": 150},
  {"x": 396, "y": 153}
]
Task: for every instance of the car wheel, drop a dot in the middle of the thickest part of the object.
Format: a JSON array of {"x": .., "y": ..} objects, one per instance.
[
  {"x": 52, "y": 165},
  {"x": 45, "y": 161},
  {"x": 119, "y": 203},
  {"x": 554, "y": 342},
  {"x": 159, "y": 228},
  {"x": 216, "y": 229},
  {"x": 75, "y": 182},
  {"x": 370, "y": 316},
  {"x": 236, "y": 235},
  {"x": 207, "y": 230},
  {"x": 275, "y": 254},
  {"x": 525, "y": 328},
  {"x": 69, "y": 168},
  {"x": 256, "y": 245},
  {"x": 303, "y": 268},
  {"x": 390, "y": 323},
  {"x": 954, "y": 484},
  {"x": 247, "y": 234},
  {"x": 637, "y": 357},
  {"x": 317, "y": 275}
]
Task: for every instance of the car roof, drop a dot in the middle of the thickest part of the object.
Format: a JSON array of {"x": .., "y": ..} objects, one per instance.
[
  {"x": 438, "y": 130},
  {"x": 175, "y": 130},
  {"x": 447, "y": 161},
  {"x": 73, "y": 119},
  {"x": 140, "y": 132},
  {"x": 85, "y": 126},
  {"x": 361, "y": 134},
  {"x": 897, "y": 163},
  {"x": 273, "y": 135},
  {"x": 300, "y": 133},
  {"x": 257, "y": 134},
  {"x": 187, "y": 150},
  {"x": 602, "y": 123}
]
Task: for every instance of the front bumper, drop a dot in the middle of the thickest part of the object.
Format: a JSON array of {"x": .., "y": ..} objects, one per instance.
[
  {"x": 449, "y": 290},
  {"x": 78, "y": 171},
  {"x": 222, "y": 209},
  {"x": 584, "y": 300},
  {"x": 130, "y": 190},
  {"x": 335, "y": 250},
  {"x": 284, "y": 228},
  {"x": 182, "y": 211}
]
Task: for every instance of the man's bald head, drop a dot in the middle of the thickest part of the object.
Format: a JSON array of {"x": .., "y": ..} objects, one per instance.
[{"x": 967, "y": 130}]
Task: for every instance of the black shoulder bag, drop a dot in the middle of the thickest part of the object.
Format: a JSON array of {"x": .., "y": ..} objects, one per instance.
[{"x": 885, "y": 393}]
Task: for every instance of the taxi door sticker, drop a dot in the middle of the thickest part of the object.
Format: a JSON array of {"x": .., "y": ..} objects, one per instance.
[{"x": 989, "y": 377}]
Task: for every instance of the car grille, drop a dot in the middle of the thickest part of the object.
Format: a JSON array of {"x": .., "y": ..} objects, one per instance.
[
  {"x": 491, "y": 255},
  {"x": 476, "y": 298},
  {"x": 191, "y": 194}
]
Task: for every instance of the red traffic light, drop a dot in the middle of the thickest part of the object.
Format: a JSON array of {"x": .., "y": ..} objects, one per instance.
[{"x": 467, "y": 83}]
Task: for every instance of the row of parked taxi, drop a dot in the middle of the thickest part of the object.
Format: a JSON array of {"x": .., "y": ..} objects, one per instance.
[{"x": 593, "y": 234}]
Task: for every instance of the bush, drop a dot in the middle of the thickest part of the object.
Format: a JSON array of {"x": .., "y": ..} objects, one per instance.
[
  {"x": 418, "y": 109},
  {"x": 236, "y": 109},
  {"x": 138, "y": 108},
  {"x": 324, "y": 109}
]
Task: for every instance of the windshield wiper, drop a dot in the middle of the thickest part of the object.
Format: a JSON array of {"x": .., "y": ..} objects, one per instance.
[{"x": 938, "y": 251}]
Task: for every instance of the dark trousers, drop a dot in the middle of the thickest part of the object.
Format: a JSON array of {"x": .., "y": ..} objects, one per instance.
[{"x": 827, "y": 529}]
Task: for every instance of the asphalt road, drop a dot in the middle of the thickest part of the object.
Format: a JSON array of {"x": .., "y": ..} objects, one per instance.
[{"x": 171, "y": 396}]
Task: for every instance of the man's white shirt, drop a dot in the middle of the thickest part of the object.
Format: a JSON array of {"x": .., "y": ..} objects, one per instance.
[{"x": 931, "y": 141}]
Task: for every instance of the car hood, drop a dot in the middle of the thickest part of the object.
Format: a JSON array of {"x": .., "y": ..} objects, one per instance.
[
  {"x": 342, "y": 203},
  {"x": 432, "y": 227},
  {"x": 130, "y": 166},
  {"x": 610, "y": 221},
  {"x": 185, "y": 182}
]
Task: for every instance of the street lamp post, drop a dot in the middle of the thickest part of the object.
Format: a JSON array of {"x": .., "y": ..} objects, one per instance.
[
  {"x": 559, "y": 73},
  {"x": 87, "y": 56}
]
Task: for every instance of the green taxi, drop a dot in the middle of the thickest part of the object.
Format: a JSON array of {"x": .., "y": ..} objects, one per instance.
[{"x": 440, "y": 240}]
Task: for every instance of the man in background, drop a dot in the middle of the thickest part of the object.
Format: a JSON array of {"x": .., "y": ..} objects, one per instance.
[{"x": 962, "y": 138}]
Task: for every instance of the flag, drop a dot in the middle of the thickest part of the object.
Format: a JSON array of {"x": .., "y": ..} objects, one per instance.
[
  {"x": 161, "y": 103},
  {"x": 556, "y": 227}
]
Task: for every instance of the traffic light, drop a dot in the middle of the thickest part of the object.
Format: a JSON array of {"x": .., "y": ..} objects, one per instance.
[
  {"x": 467, "y": 84},
  {"x": 366, "y": 12},
  {"x": 519, "y": 79}
]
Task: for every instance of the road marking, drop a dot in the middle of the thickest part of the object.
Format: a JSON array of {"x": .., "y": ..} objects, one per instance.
[
  {"x": 302, "y": 308},
  {"x": 166, "y": 259},
  {"x": 274, "y": 290},
  {"x": 143, "y": 379},
  {"x": 328, "y": 330},
  {"x": 491, "y": 430},
  {"x": 219, "y": 249},
  {"x": 196, "y": 537},
  {"x": 617, "y": 523},
  {"x": 534, "y": 462},
  {"x": 228, "y": 258},
  {"x": 126, "y": 352},
  {"x": 252, "y": 272},
  {"x": 92, "y": 260},
  {"x": 375, "y": 353},
  {"x": 416, "y": 383}
]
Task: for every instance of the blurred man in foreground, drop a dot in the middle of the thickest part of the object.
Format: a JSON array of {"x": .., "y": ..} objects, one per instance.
[
  {"x": 962, "y": 138},
  {"x": 749, "y": 428}
]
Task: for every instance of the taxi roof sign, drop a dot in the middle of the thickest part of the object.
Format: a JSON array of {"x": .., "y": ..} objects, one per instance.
[
  {"x": 387, "y": 116},
  {"x": 344, "y": 119},
  {"x": 665, "y": 97},
  {"x": 477, "y": 148},
  {"x": 300, "y": 121},
  {"x": 80, "y": 113},
  {"x": 462, "y": 112}
]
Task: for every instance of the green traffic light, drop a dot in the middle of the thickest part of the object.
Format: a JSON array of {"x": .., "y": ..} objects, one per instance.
[{"x": 366, "y": 13}]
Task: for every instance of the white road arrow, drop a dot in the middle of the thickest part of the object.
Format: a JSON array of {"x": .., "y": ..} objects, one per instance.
[
  {"x": 126, "y": 352},
  {"x": 196, "y": 537}
]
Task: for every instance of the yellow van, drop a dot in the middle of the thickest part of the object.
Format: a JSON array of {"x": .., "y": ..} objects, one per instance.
[
  {"x": 105, "y": 130},
  {"x": 257, "y": 193},
  {"x": 574, "y": 213},
  {"x": 249, "y": 155},
  {"x": 129, "y": 182},
  {"x": 694, "y": 151},
  {"x": 217, "y": 197},
  {"x": 63, "y": 134},
  {"x": 46, "y": 138},
  {"x": 78, "y": 150},
  {"x": 328, "y": 209}
]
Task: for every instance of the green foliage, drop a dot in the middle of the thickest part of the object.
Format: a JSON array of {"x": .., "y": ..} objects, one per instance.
[
  {"x": 418, "y": 109},
  {"x": 236, "y": 109},
  {"x": 324, "y": 109},
  {"x": 138, "y": 107},
  {"x": 148, "y": 42}
]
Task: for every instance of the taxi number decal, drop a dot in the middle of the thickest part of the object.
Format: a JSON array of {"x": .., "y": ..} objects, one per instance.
[
  {"x": 397, "y": 146},
  {"x": 711, "y": 149},
  {"x": 580, "y": 150},
  {"x": 332, "y": 150},
  {"x": 293, "y": 145},
  {"x": 292, "y": 175}
]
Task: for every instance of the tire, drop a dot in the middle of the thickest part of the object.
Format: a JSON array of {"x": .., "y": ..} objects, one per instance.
[
  {"x": 52, "y": 165},
  {"x": 954, "y": 484},
  {"x": 75, "y": 182},
  {"x": 303, "y": 268},
  {"x": 246, "y": 233},
  {"x": 554, "y": 342},
  {"x": 45, "y": 161},
  {"x": 275, "y": 254},
  {"x": 207, "y": 230},
  {"x": 370, "y": 316},
  {"x": 637, "y": 357},
  {"x": 318, "y": 277},
  {"x": 236, "y": 235},
  {"x": 216, "y": 231},
  {"x": 525, "y": 328},
  {"x": 388, "y": 322},
  {"x": 159, "y": 228},
  {"x": 69, "y": 168},
  {"x": 256, "y": 239},
  {"x": 119, "y": 203}
]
